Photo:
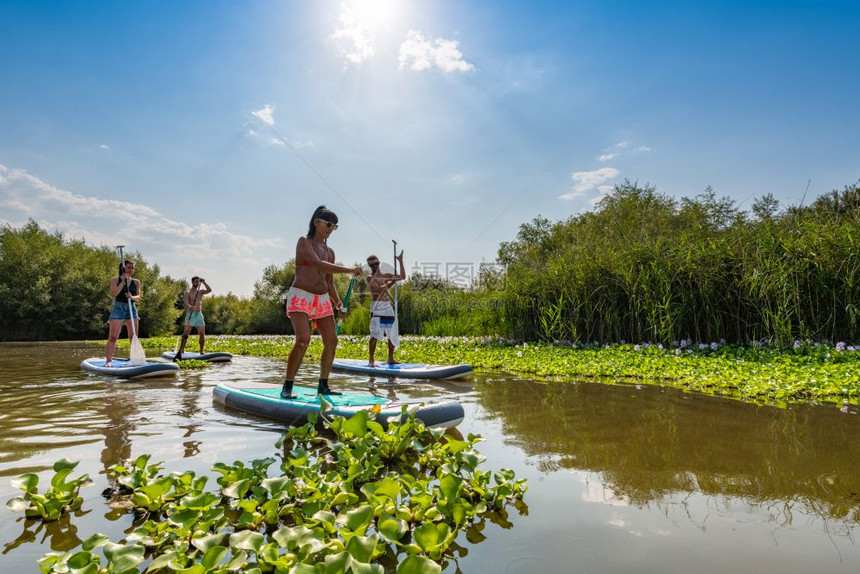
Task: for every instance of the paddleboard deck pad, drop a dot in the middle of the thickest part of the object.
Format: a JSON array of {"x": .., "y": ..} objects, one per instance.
[
  {"x": 188, "y": 356},
  {"x": 265, "y": 400},
  {"x": 124, "y": 368},
  {"x": 409, "y": 370}
]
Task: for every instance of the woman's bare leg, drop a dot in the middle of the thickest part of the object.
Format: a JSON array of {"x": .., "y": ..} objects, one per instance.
[
  {"x": 302, "y": 329},
  {"x": 326, "y": 327},
  {"x": 114, "y": 329}
]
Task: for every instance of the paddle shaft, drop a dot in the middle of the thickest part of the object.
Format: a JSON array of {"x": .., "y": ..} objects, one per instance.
[
  {"x": 395, "y": 274},
  {"x": 345, "y": 308},
  {"x": 196, "y": 301}
]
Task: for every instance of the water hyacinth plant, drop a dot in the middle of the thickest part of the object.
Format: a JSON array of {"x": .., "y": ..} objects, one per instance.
[
  {"x": 763, "y": 371},
  {"x": 352, "y": 497},
  {"x": 61, "y": 498}
]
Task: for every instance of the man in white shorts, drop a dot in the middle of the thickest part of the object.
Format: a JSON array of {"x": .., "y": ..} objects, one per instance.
[{"x": 383, "y": 322}]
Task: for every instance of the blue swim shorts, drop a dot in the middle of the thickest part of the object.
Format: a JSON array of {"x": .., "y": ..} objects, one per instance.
[
  {"x": 120, "y": 312},
  {"x": 196, "y": 319}
]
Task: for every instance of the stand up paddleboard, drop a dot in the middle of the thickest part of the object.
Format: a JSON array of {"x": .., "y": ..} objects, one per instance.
[
  {"x": 409, "y": 370},
  {"x": 187, "y": 356},
  {"x": 265, "y": 400},
  {"x": 124, "y": 368}
]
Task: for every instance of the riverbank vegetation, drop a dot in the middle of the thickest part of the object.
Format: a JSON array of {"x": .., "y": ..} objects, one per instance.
[
  {"x": 350, "y": 498},
  {"x": 641, "y": 267},
  {"x": 764, "y": 371},
  {"x": 645, "y": 267},
  {"x": 54, "y": 288}
]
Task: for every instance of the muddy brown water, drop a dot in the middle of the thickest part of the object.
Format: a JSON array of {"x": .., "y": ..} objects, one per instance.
[{"x": 621, "y": 478}]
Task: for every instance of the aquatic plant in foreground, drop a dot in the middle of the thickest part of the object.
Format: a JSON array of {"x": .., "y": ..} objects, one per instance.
[
  {"x": 61, "y": 498},
  {"x": 353, "y": 497}
]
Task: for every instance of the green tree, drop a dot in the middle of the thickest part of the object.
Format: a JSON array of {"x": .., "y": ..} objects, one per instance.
[{"x": 52, "y": 288}]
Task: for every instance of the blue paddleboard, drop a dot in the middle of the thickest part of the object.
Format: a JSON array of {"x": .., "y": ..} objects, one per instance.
[
  {"x": 410, "y": 370},
  {"x": 124, "y": 368},
  {"x": 264, "y": 399}
]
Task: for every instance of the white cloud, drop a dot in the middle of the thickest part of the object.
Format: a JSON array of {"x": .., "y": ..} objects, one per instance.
[
  {"x": 175, "y": 245},
  {"x": 104, "y": 146},
  {"x": 418, "y": 53},
  {"x": 621, "y": 148},
  {"x": 354, "y": 37},
  {"x": 585, "y": 181},
  {"x": 266, "y": 115}
]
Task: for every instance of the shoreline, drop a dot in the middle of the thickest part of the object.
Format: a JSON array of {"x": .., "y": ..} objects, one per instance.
[{"x": 761, "y": 374}]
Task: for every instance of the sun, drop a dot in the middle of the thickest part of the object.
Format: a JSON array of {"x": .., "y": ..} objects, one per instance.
[{"x": 374, "y": 15}]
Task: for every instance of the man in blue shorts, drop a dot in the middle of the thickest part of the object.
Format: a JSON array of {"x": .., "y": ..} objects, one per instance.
[{"x": 194, "y": 313}]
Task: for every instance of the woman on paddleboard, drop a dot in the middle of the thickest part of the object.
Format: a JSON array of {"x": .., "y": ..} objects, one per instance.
[
  {"x": 313, "y": 297},
  {"x": 123, "y": 289}
]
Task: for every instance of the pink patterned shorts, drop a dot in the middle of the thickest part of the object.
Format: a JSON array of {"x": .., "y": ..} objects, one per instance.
[{"x": 313, "y": 305}]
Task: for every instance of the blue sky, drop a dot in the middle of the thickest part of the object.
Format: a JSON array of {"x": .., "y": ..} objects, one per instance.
[{"x": 443, "y": 125}]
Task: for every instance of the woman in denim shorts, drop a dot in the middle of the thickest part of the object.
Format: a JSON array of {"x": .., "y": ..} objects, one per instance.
[{"x": 123, "y": 289}]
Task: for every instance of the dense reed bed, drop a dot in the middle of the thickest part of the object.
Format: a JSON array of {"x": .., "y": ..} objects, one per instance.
[{"x": 645, "y": 267}]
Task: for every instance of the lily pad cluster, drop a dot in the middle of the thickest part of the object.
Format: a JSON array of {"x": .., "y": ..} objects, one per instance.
[{"x": 349, "y": 496}]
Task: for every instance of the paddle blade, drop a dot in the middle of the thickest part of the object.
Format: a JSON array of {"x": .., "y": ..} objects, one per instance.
[
  {"x": 394, "y": 335},
  {"x": 137, "y": 355}
]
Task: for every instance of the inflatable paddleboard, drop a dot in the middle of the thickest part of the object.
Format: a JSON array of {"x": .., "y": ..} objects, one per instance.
[
  {"x": 187, "y": 356},
  {"x": 410, "y": 370},
  {"x": 124, "y": 368},
  {"x": 264, "y": 399}
]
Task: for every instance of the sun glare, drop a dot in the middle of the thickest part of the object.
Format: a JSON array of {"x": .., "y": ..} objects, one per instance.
[{"x": 375, "y": 15}]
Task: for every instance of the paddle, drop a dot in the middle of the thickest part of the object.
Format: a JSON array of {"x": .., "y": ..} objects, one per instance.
[
  {"x": 136, "y": 354},
  {"x": 344, "y": 310},
  {"x": 187, "y": 328},
  {"x": 394, "y": 335}
]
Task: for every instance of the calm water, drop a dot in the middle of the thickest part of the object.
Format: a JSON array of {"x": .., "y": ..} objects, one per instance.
[{"x": 622, "y": 479}]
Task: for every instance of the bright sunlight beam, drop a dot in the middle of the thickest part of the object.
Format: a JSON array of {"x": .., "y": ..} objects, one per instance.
[{"x": 374, "y": 15}]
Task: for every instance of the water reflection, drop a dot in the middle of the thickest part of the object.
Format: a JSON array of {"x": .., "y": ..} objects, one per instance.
[
  {"x": 189, "y": 410},
  {"x": 118, "y": 411},
  {"x": 61, "y": 535},
  {"x": 650, "y": 445}
]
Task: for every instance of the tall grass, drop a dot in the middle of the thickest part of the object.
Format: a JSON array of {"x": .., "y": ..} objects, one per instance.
[{"x": 644, "y": 267}]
